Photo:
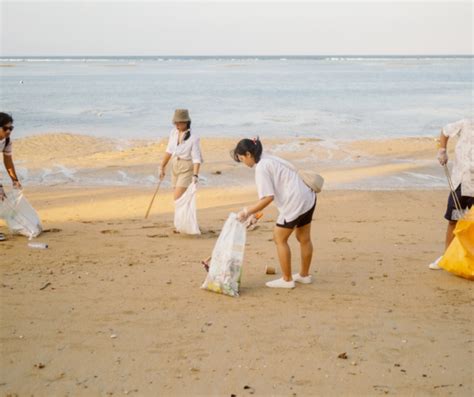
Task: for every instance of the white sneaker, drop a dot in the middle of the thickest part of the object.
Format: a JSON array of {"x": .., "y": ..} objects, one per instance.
[
  {"x": 434, "y": 265},
  {"x": 280, "y": 283},
  {"x": 303, "y": 280}
]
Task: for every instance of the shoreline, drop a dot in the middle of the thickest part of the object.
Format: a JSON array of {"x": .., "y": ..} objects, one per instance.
[{"x": 379, "y": 164}]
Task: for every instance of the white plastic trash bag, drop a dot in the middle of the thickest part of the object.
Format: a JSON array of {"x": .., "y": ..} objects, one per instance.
[
  {"x": 19, "y": 215},
  {"x": 185, "y": 219},
  {"x": 226, "y": 263}
]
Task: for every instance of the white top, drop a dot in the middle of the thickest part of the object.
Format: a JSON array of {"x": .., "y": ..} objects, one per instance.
[
  {"x": 276, "y": 177},
  {"x": 463, "y": 168},
  {"x": 187, "y": 150},
  {"x": 6, "y": 150}
]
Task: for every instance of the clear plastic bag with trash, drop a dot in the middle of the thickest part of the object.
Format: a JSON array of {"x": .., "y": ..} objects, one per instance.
[
  {"x": 19, "y": 215},
  {"x": 225, "y": 268},
  {"x": 185, "y": 217}
]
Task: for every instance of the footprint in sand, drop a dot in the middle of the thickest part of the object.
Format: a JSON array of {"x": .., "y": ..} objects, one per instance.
[
  {"x": 341, "y": 240},
  {"x": 157, "y": 235},
  {"x": 52, "y": 230},
  {"x": 108, "y": 231}
]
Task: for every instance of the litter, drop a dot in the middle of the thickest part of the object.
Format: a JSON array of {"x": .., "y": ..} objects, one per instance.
[
  {"x": 19, "y": 215},
  {"x": 225, "y": 267},
  {"x": 185, "y": 218}
]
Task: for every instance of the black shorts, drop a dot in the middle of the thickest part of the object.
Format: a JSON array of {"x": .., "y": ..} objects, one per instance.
[
  {"x": 302, "y": 220},
  {"x": 465, "y": 201}
]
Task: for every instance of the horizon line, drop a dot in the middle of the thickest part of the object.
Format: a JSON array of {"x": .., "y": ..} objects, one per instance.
[{"x": 236, "y": 55}]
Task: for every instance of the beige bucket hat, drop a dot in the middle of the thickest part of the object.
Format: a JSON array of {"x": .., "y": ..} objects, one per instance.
[{"x": 181, "y": 115}]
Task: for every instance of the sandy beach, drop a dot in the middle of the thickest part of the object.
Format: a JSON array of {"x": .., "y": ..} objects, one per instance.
[{"x": 114, "y": 307}]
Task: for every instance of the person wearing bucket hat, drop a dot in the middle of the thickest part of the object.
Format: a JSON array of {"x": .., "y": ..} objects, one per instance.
[{"x": 184, "y": 151}]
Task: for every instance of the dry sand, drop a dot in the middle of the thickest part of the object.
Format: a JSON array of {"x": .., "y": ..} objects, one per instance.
[{"x": 114, "y": 307}]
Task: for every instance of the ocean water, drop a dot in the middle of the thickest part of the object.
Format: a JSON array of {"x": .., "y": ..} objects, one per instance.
[{"x": 325, "y": 97}]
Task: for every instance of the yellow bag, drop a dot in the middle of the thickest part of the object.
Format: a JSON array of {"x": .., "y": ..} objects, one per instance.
[{"x": 459, "y": 257}]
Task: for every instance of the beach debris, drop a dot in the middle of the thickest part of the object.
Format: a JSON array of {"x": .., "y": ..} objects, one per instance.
[
  {"x": 40, "y": 246},
  {"x": 250, "y": 389},
  {"x": 270, "y": 270},
  {"x": 217, "y": 172},
  {"x": 52, "y": 230},
  {"x": 205, "y": 263},
  {"x": 40, "y": 365},
  {"x": 169, "y": 282},
  {"x": 113, "y": 336},
  {"x": 343, "y": 356},
  {"x": 45, "y": 286}
]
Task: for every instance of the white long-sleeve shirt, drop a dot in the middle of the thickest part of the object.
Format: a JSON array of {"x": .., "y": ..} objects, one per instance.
[
  {"x": 463, "y": 167},
  {"x": 189, "y": 149}
]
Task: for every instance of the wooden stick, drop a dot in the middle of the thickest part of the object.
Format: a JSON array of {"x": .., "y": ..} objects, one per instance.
[{"x": 153, "y": 199}]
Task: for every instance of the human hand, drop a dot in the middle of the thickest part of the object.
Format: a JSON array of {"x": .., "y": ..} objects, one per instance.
[
  {"x": 195, "y": 178},
  {"x": 161, "y": 173},
  {"x": 17, "y": 185},
  {"x": 243, "y": 215},
  {"x": 442, "y": 156}
]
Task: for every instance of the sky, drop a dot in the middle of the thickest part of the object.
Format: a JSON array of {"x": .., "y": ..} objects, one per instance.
[{"x": 107, "y": 28}]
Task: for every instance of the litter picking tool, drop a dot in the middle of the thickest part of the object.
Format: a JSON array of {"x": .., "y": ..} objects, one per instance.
[
  {"x": 459, "y": 212},
  {"x": 153, "y": 199}
]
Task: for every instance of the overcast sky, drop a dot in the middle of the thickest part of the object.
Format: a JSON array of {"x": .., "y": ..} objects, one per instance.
[{"x": 231, "y": 28}]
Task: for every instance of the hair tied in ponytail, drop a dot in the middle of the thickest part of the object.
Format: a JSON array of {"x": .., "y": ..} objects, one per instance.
[{"x": 252, "y": 146}]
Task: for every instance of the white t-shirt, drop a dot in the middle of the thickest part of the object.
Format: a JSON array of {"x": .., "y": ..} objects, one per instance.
[
  {"x": 6, "y": 150},
  {"x": 463, "y": 168},
  {"x": 276, "y": 177},
  {"x": 190, "y": 149}
]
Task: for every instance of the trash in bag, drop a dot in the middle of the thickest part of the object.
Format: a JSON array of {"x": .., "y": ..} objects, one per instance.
[
  {"x": 19, "y": 215},
  {"x": 459, "y": 257},
  {"x": 225, "y": 268},
  {"x": 185, "y": 219}
]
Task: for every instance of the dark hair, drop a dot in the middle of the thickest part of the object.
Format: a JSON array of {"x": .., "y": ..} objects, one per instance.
[
  {"x": 5, "y": 118},
  {"x": 252, "y": 146},
  {"x": 188, "y": 134}
]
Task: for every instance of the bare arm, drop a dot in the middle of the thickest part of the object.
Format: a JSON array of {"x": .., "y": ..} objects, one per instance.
[
  {"x": 260, "y": 205},
  {"x": 10, "y": 167},
  {"x": 443, "y": 141},
  {"x": 164, "y": 162}
]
